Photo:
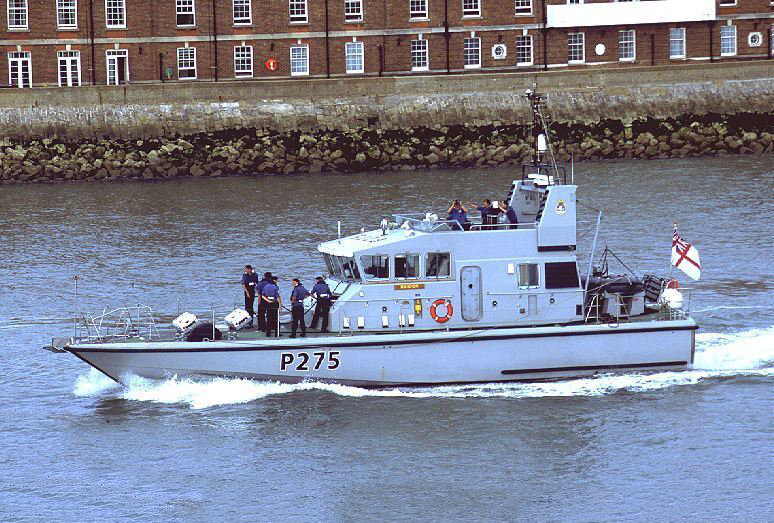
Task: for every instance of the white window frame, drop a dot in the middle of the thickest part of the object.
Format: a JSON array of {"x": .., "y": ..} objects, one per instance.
[
  {"x": 471, "y": 8},
  {"x": 528, "y": 284},
  {"x": 242, "y": 4},
  {"x": 418, "y": 10},
  {"x": 302, "y": 59},
  {"x": 18, "y": 15},
  {"x": 678, "y": 40},
  {"x": 185, "y": 8},
  {"x": 531, "y": 51},
  {"x": 624, "y": 45},
  {"x": 69, "y": 58},
  {"x": 115, "y": 7},
  {"x": 66, "y": 7},
  {"x": 117, "y": 53},
  {"x": 359, "y": 49},
  {"x": 582, "y": 60},
  {"x": 19, "y": 57},
  {"x": 522, "y": 7},
  {"x": 353, "y": 11},
  {"x": 727, "y": 3},
  {"x": 465, "y": 48},
  {"x": 415, "y": 51},
  {"x": 301, "y": 10},
  {"x": 240, "y": 58},
  {"x": 186, "y": 59},
  {"x": 726, "y": 28}
]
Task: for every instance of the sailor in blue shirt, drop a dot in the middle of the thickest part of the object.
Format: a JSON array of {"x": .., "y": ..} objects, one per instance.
[
  {"x": 262, "y": 304},
  {"x": 271, "y": 296},
  {"x": 488, "y": 213},
  {"x": 249, "y": 282},
  {"x": 297, "y": 297},
  {"x": 322, "y": 293},
  {"x": 508, "y": 215},
  {"x": 458, "y": 213}
]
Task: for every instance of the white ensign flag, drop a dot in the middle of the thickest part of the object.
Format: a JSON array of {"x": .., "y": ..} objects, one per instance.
[{"x": 685, "y": 256}]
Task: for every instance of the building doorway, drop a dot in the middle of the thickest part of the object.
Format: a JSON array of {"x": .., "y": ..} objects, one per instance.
[
  {"x": 117, "y": 67},
  {"x": 20, "y": 69}
]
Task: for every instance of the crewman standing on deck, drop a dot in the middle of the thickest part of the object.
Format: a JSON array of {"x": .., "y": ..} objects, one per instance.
[
  {"x": 297, "y": 298},
  {"x": 322, "y": 293},
  {"x": 271, "y": 296},
  {"x": 261, "y": 303},
  {"x": 249, "y": 282}
]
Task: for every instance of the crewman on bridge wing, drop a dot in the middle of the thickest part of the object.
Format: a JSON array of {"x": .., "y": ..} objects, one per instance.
[
  {"x": 271, "y": 296},
  {"x": 262, "y": 304},
  {"x": 297, "y": 297},
  {"x": 249, "y": 281},
  {"x": 459, "y": 214},
  {"x": 508, "y": 215},
  {"x": 322, "y": 293},
  {"x": 487, "y": 212}
]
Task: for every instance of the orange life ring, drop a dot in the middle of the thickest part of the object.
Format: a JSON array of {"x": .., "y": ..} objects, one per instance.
[{"x": 449, "y": 311}]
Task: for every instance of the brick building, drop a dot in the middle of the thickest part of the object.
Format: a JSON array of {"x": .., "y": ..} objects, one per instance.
[{"x": 81, "y": 42}]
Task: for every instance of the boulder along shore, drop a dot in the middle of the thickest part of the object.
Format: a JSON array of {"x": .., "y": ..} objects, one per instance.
[{"x": 250, "y": 151}]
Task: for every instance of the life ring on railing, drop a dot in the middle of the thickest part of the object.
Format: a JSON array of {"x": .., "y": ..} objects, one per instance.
[
  {"x": 672, "y": 284},
  {"x": 445, "y": 317}
]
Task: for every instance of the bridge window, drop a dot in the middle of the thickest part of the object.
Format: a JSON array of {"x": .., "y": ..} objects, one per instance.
[
  {"x": 561, "y": 275},
  {"x": 529, "y": 275},
  {"x": 376, "y": 267},
  {"x": 407, "y": 266},
  {"x": 437, "y": 265}
]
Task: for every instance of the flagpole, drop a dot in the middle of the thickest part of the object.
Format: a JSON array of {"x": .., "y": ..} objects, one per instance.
[{"x": 674, "y": 230}]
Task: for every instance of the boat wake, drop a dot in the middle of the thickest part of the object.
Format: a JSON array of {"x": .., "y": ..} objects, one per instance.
[{"x": 718, "y": 355}]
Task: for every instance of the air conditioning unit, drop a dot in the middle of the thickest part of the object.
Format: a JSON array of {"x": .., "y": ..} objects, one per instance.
[
  {"x": 499, "y": 51},
  {"x": 755, "y": 39}
]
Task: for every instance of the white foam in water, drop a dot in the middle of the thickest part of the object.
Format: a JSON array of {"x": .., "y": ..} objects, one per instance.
[{"x": 717, "y": 355}]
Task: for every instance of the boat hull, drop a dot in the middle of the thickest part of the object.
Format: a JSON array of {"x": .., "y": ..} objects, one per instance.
[{"x": 432, "y": 358}]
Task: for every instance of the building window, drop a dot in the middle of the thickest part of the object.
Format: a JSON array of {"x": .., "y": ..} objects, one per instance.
[
  {"x": 574, "y": 2},
  {"x": 576, "y": 48},
  {"x": 20, "y": 69},
  {"x": 726, "y": 3},
  {"x": 353, "y": 55},
  {"x": 117, "y": 66},
  {"x": 523, "y": 7},
  {"x": 524, "y": 50},
  {"x": 186, "y": 63},
  {"x": 418, "y": 9},
  {"x": 472, "y": 53},
  {"x": 243, "y": 12},
  {"x": 184, "y": 9},
  {"x": 406, "y": 266},
  {"x": 69, "y": 68},
  {"x": 298, "y": 14},
  {"x": 419, "y": 56},
  {"x": 243, "y": 61},
  {"x": 627, "y": 45},
  {"x": 376, "y": 267},
  {"x": 67, "y": 14},
  {"x": 437, "y": 265},
  {"x": 115, "y": 13},
  {"x": 299, "y": 60},
  {"x": 728, "y": 40},
  {"x": 18, "y": 14},
  {"x": 471, "y": 8},
  {"x": 529, "y": 275},
  {"x": 353, "y": 10},
  {"x": 677, "y": 42}
]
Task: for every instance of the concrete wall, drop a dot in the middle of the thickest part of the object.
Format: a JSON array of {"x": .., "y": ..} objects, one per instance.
[{"x": 145, "y": 111}]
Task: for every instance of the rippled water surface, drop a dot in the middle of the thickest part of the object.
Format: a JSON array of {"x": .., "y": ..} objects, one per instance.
[{"x": 667, "y": 446}]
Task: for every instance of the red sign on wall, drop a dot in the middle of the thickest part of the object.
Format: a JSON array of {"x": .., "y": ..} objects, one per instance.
[{"x": 271, "y": 64}]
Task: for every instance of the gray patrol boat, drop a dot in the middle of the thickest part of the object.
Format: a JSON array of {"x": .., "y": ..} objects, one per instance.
[{"x": 425, "y": 301}]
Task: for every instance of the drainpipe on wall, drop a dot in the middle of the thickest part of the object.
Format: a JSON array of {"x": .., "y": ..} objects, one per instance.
[
  {"x": 652, "y": 49},
  {"x": 381, "y": 59},
  {"x": 446, "y": 33},
  {"x": 327, "y": 44},
  {"x": 92, "y": 68},
  {"x": 215, "y": 34},
  {"x": 711, "y": 40},
  {"x": 161, "y": 67},
  {"x": 544, "y": 30}
]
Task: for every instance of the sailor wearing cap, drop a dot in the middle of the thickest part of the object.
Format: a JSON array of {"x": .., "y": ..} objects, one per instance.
[
  {"x": 271, "y": 297},
  {"x": 249, "y": 282},
  {"x": 262, "y": 304},
  {"x": 297, "y": 297},
  {"x": 322, "y": 293}
]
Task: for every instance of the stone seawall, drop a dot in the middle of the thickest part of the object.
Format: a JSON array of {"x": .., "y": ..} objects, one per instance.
[{"x": 391, "y": 123}]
